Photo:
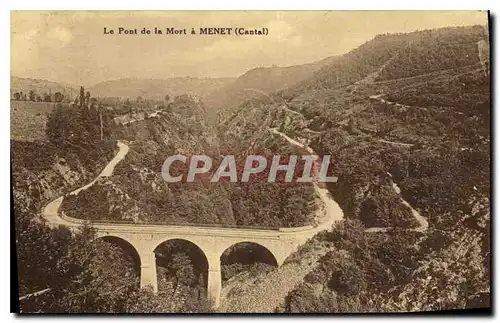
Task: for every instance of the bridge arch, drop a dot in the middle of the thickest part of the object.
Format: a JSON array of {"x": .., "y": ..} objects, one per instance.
[
  {"x": 180, "y": 260},
  {"x": 253, "y": 249},
  {"x": 158, "y": 243},
  {"x": 241, "y": 255},
  {"x": 127, "y": 247}
]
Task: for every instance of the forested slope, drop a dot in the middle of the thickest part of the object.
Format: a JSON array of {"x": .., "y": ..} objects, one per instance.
[
  {"x": 137, "y": 192},
  {"x": 414, "y": 109},
  {"x": 63, "y": 271}
]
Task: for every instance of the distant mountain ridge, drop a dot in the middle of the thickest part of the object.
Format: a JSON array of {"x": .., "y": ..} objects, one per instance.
[
  {"x": 429, "y": 67},
  {"x": 126, "y": 87},
  {"x": 158, "y": 88},
  {"x": 216, "y": 93},
  {"x": 20, "y": 84},
  {"x": 262, "y": 81},
  {"x": 395, "y": 56},
  {"x": 385, "y": 57}
]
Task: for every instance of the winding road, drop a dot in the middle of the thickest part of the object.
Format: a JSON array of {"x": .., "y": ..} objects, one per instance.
[
  {"x": 333, "y": 212},
  {"x": 51, "y": 210},
  {"x": 423, "y": 224},
  {"x": 51, "y": 213},
  {"x": 212, "y": 240}
]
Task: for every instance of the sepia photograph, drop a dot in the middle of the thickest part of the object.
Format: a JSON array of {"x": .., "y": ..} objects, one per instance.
[{"x": 244, "y": 162}]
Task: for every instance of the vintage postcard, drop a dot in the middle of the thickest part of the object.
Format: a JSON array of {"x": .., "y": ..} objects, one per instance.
[{"x": 250, "y": 161}]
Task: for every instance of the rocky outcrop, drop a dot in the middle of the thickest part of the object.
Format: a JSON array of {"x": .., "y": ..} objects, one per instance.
[{"x": 42, "y": 171}]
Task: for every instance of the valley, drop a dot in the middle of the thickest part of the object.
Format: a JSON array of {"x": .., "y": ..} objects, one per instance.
[{"x": 406, "y": 228}]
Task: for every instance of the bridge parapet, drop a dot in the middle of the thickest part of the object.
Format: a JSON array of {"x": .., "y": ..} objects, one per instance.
[{"x": 212, "y": 240}]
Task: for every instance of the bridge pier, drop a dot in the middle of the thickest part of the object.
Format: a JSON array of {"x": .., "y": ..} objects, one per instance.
[
  {"x": 213, "y": 245},
  {"x": 214, "y": 284},
  {"x": 148, "y": 271}
]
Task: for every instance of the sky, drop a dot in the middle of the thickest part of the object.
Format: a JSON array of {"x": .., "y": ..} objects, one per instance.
[{"x": 71, "y": 47}]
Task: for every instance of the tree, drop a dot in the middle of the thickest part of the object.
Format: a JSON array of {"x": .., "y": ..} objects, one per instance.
[
  {"x": 66, "y": 264},
  {"x": 32, "y": 95},
  {"x": 167, "y": 98},
  {"x": 81, "y": 274},
  {"x": 58, "y": 97},
  {"x": 17, "y": 96},
  {"x": 82, "y": 97},
  {"x": 127, "y": 107},
  {"x": 46, "y": 97},
  {"x": 87, "y": 99},
  {"x": 59, "y": 124}
]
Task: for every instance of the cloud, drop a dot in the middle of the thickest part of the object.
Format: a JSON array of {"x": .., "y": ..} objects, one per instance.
[
  {"x": 34, "y": 37},
  {"x": 30, "y": 35},
  {"x": 279, "y": 30},
  {"x": 279, "y": 39},
  {"x": 74, "y": 42},
  {"x": 62, "y": 36}
]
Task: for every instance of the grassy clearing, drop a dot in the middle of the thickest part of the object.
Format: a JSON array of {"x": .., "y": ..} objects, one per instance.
[{"x": 28, "y": 119}]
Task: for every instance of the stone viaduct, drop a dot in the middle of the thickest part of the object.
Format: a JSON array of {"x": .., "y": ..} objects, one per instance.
[{"x": 212, "y": 241}]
